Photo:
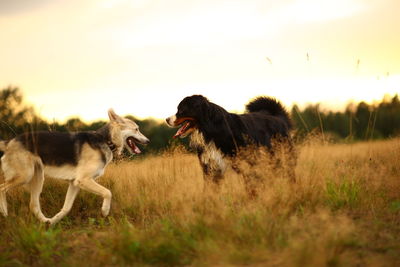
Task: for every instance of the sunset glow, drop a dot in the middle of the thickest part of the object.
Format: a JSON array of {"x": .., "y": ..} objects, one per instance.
[{"x": 141, "y": 57}]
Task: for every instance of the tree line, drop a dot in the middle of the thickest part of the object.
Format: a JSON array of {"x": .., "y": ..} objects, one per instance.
[{"x": 360, "y": 121}]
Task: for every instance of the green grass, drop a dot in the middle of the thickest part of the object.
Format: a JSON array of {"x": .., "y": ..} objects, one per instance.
[
  {"x": 31, "y": 243},
  {"x": 343, "y": 194}
]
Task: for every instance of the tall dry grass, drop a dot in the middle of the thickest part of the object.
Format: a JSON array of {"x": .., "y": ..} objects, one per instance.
[{"x": 343, "y": 210}]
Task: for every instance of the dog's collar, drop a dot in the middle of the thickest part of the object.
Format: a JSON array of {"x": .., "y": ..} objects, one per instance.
[{"x": 112, "y": 146}]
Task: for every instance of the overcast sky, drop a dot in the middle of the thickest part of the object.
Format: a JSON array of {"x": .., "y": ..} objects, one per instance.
[{"x": 141, "y": 57}]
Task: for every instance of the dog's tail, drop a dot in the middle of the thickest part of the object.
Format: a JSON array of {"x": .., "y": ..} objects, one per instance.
[{"x": 270, "y": 105}]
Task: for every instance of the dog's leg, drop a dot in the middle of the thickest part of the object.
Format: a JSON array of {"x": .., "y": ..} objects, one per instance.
[
  {"x": 292, "y": 162},
  {"x": 286, "y": 159},
  {"x": 90, "y": 185},
  {"x": 250, "y": 186},
  {"x": 213, "y": 172},
  {"x": 18, "y": 169},
  {"x": 7, "y": 185},
  {"x": 36, "y": 186},
  {"x": 210, "y": 186},
  {"x": 69, "y": 201},
  {"x": 3, "y": 203},
  {"x": 212, "y": 182}
]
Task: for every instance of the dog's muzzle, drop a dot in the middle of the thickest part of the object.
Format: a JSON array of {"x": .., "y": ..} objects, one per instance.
[{"x": 171, "y": 121}]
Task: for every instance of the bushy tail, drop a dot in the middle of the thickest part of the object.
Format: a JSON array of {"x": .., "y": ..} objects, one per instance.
[{"x": 270, "y": 105}]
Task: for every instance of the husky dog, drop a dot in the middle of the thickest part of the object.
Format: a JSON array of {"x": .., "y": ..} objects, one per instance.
[{"x": 79, "y": 158}]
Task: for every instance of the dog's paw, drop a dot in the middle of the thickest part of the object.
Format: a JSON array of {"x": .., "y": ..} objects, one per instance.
[
  {"x": 52, "y": 221},
  {"x": 48, "y": 224},
  {"x": 4, "y": 212},
  {"x": 105, "y": 209}
]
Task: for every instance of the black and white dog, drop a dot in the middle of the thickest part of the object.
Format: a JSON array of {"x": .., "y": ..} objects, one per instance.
[
  {"x": 218, "y": 135},
  {"x": 79, "y": 158}
]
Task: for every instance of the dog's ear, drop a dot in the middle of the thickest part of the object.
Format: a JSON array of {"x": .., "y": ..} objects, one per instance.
[{"x": 113, "y": 116}]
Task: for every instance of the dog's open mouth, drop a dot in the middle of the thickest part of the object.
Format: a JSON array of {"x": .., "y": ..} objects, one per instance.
[
  {"x": 131, "y": 142},
  {"x": 185, "y": 129}
]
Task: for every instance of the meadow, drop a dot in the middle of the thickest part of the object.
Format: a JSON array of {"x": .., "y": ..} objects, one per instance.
[{"x": 344, "y": 210}]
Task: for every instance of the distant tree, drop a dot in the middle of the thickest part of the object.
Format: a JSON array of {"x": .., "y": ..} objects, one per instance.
[
  {"x": 95, "y": 125},
  {"x": 337, "y": 123},
  {"x": 307, "y": 120},
  {"x": 388, "y": 117},
  {"x": 75, "y": 124},
  {"x": 15, "y": 115},
  {"x": 360, "y": 121}
]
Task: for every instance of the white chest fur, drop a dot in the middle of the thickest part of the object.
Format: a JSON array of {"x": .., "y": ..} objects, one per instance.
[{"x": 211, "y": 158}]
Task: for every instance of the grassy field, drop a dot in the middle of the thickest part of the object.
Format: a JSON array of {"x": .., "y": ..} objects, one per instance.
[{"x": 344, "y": 210}]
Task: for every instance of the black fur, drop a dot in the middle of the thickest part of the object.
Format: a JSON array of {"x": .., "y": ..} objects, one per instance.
[
  {"x": 55, "y": 148},
  {"x": 264, "y": 120}
]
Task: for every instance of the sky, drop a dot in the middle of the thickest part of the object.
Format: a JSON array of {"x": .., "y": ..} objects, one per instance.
[{"x": 141, "y": 57}]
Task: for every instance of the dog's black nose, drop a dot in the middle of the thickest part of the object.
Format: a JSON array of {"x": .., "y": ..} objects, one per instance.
[{"x": 147, "y": 142}]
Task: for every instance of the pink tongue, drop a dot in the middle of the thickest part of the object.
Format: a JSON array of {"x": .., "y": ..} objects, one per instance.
[
  {"x": 181, "y": 130},
  {"x": 133, "y": 146},
  {"x": 137, "y": 150}
]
